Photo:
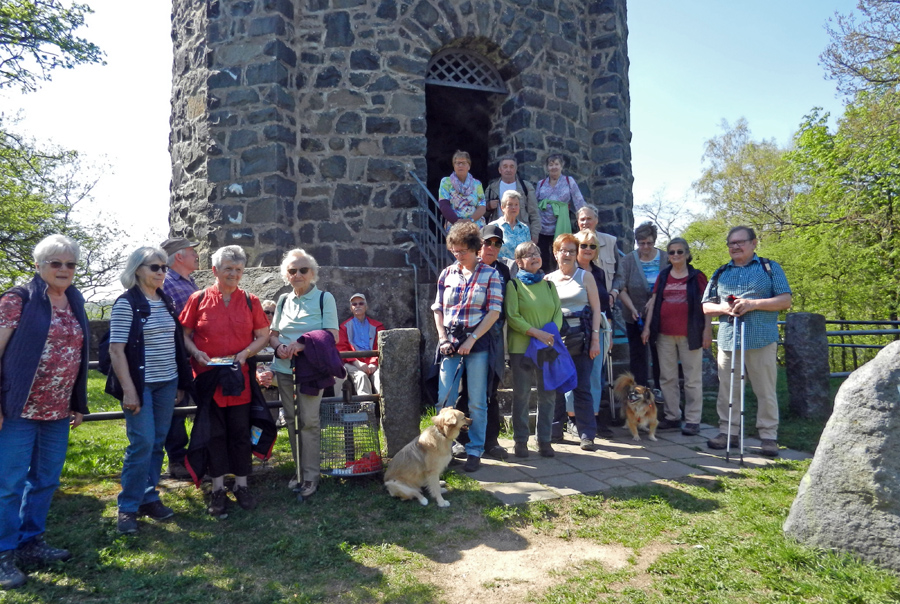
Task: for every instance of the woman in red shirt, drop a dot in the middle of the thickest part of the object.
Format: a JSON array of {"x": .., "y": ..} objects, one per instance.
[
  {"x": 225, "y": 321},
  {"x": 681, "y": 332}
]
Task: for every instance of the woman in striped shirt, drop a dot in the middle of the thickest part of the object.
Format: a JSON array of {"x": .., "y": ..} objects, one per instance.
[{"x": 149, "y": 374}]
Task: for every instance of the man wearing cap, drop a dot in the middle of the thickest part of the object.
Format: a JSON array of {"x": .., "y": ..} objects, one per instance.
[
  {"x": 492, "y": 241},
  {"x": 360, "y": 332},
  {"x": 179, "y": 285}
]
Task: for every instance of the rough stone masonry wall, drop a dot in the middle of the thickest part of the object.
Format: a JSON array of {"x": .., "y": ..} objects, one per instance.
[{"x": 295, "y": 121}]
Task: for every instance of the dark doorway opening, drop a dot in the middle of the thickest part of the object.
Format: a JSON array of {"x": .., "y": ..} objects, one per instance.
[{"x": 457, "y": 119}]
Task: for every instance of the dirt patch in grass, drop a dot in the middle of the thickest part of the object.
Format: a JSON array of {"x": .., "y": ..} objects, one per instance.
[{"x": 510, "y": 566}]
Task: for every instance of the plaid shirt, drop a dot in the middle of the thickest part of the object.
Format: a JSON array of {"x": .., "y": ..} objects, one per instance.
[
  {"x": 467, "y": 302},
  {"x": 750, "y": 281},
  {"x": 179, "y": 289}
]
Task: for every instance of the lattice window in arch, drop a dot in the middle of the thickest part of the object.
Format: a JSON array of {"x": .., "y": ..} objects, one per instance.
[{"x": 462, "y": 68}]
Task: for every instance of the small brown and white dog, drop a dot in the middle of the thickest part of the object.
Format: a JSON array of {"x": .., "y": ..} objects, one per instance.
[
  {"x": 420, "y": 463},
  {"x": 639, "y": 404}
]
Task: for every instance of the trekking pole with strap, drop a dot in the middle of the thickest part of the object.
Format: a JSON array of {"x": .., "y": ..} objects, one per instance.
[
  {"x": 734, "y": 351},
  {"x": 743, "y": 377}
]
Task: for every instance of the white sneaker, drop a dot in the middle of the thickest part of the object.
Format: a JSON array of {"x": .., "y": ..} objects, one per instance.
[
  {"x": 293, "y": 484},
  {"x": 458, "y": 450}
]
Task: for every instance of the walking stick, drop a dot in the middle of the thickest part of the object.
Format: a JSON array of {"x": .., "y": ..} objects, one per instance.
[
  {"x": 737, "y": 322},
  {"x": 743, "y": 377}
]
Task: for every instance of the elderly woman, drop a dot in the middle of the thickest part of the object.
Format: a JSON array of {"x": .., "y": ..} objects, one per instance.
[
  {"x": 530, "y": 303},
  {"x": 637, "y": 274},
  {"x": 514, "y": 231},
  {"x": 44, "y": 350},
  {"x": 150, "y": 373},
  {"x": 577, "y": 289},
  {"x": 297, "y": 313},
  {"x": 225, "y": 323},
  {"x": 461, "y": 196},
  {"x": 468, "y": 302},
  {"x": 558, "y": 199},
  {"x": 681, "y": 331}
]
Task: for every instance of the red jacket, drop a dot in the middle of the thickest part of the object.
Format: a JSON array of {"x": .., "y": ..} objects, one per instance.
[{"x": 344, "y": 343}]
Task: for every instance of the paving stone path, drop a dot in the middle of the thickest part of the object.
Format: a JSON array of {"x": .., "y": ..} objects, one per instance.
[{"x": 618, "y": 462}]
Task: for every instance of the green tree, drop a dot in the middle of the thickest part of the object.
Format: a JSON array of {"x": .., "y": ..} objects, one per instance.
[
  {"x": 864, "y": 54},
  {"x": 37, "y": 37}
]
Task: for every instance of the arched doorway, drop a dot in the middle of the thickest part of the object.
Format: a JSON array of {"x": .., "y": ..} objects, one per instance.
[{"x": 461, "y": 93}]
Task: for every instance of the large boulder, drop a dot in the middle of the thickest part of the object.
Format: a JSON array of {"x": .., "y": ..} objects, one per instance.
[{"x": 850, "y": 498}]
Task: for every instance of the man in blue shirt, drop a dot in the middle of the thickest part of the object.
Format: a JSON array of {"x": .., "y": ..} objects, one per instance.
[
  {"x": 179, "y": 285},
  {"x": 754, "y": 290}
]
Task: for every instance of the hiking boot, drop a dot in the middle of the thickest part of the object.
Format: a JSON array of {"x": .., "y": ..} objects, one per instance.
[
  {"x": 669, "y": 424},
  {"x": 308, "y": 488},
  {"x": 497, "y": 452},
  {"x": 155, "y": 510},
  {"x": 521, "y": 450},
  {"x": 178, "y": 471},
  {"x": 127, "y": 523},
  {"x": 458, "y": 450},
  {"x": 37, "y": 552},
  {"x": 587, "y": 444},
  {"x": 10, "y": 575},
  {"x": 690, "y": 429},
  {"x": 244, "y": 497},
  {"x": 218, "y": 504},
  {"x": 292, "y": 483},
  {"x": 473, "y": 462},
  {"x": 721, "y": 441},
  {"x": 769, "y": 447},
  {"x": 546, "y": 450}
]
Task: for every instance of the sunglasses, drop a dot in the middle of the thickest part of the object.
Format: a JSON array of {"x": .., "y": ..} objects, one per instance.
[
  {"x": 355, "y": 304},
  {"x": 293, "y": 271},
  {"x": 497, "y": 244},
  {"x": 585, "y": 246},
  {"x": 156, "y": 267},
  {"x": 676, "y": 252},
  {"x": 270, "y": 312},
  {"x": 56, "y": 264}
]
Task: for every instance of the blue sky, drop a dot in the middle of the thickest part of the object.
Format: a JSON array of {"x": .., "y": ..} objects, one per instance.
[{"x": 693, "y": 64}]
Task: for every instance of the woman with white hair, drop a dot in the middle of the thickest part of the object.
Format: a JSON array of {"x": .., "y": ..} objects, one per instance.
[
  {"x": 149, "y": 375},
  {"x": 515, "y": 232},
  {"x": 225, "y": 322},
  {"x": 44, "y": 353},
  {"x": 298, "y": 312}
]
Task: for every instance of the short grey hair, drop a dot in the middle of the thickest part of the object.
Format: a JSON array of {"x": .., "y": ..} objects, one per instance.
[
  {"x": 142, "y": 255},
  {"x": 233, "y": 253},
  {"x": 524, "y": 248},
  {"x": 294, "y": 254},
  {"x": 54, "y": 245},
  {"x": 588, "y": 208},
  {"x": 504, "y": 158},
  {"x": 268, "y": 305},
  {"x": 511, "y": 193}
]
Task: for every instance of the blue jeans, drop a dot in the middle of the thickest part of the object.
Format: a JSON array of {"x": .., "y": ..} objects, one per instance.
[
  {"x": 585, "y": 418},
  {"x": 32, "y": 454},
  {"x": 146, "y": 433},
  {"x": 523, "y": 369},
  {"x": 476, "y": 368},
  {"x": 598, "y": 381}
]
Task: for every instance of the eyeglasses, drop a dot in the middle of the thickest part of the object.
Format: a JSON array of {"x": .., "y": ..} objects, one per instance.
[
  {"x": 567, "y": 250},
  {"x": 531, "y": 255},
  {"x": 355, "y": 304},
  {"x": 493, "y": 242},
  {"x": 737, "y": 242},
  {"x": 155, "y": 268},
  {"x": 676, "y": 252},
  {"x": 458, "y": 253},
  {"x": 585, "y": 246},
  {"x": 56, "y": 264},
  {"x": 293, "y": 271}
]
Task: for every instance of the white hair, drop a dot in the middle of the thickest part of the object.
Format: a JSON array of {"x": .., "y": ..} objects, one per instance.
[
  {"x": 234, "y": 253},
  {"x": 294, "y": 254},
  {"x": 54, "y": 245},
  {"x": 142, "y": 255}
]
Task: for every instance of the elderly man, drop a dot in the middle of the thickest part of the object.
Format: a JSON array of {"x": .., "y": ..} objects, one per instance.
[
  {"x": 360, "y": 332},
  {"x": 751, "y": 291},
  {"x": 179, "y": 285},
  {"x": 607, "y": 254},
  {"x": 509, "y": 181}
]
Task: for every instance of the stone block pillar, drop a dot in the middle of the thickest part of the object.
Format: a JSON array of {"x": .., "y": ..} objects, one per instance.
[
  {"x": 806, "y": 359},
  {"x": 401, "y": 403}
]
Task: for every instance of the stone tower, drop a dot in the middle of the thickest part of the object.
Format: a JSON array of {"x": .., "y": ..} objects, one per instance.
[{"x": 297, "y": 122}]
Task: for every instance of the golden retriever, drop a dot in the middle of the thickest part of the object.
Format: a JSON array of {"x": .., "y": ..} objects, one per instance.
[
  {"x": 420, "y": 463},
  {"x": 639, "y": 404}
]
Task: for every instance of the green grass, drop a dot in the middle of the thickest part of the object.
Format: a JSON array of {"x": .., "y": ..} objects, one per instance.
[{"x": 706, "y": 539}]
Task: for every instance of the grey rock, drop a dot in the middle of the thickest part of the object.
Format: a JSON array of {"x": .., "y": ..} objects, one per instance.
[
  {"x": 848, "y": 500},
  {"x": 806, "y": 361},
  {"x": 401, "y": 404}
]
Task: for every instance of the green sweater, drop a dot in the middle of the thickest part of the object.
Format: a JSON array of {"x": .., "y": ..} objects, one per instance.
[{"x": 529, "y": 306}]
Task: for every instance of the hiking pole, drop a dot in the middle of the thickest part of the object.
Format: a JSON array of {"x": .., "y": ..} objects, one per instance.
[
  {"x": 736, "y": 326},
  {"x": 293, "y": 403},
  {"x": 743, "y": 377}
]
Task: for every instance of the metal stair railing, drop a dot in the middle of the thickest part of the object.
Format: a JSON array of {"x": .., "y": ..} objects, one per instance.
[{"x": 429, "y": 232}]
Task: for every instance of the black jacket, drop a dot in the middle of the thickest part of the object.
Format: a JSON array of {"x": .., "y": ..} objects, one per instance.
[{"x": 696, "y": 320}]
